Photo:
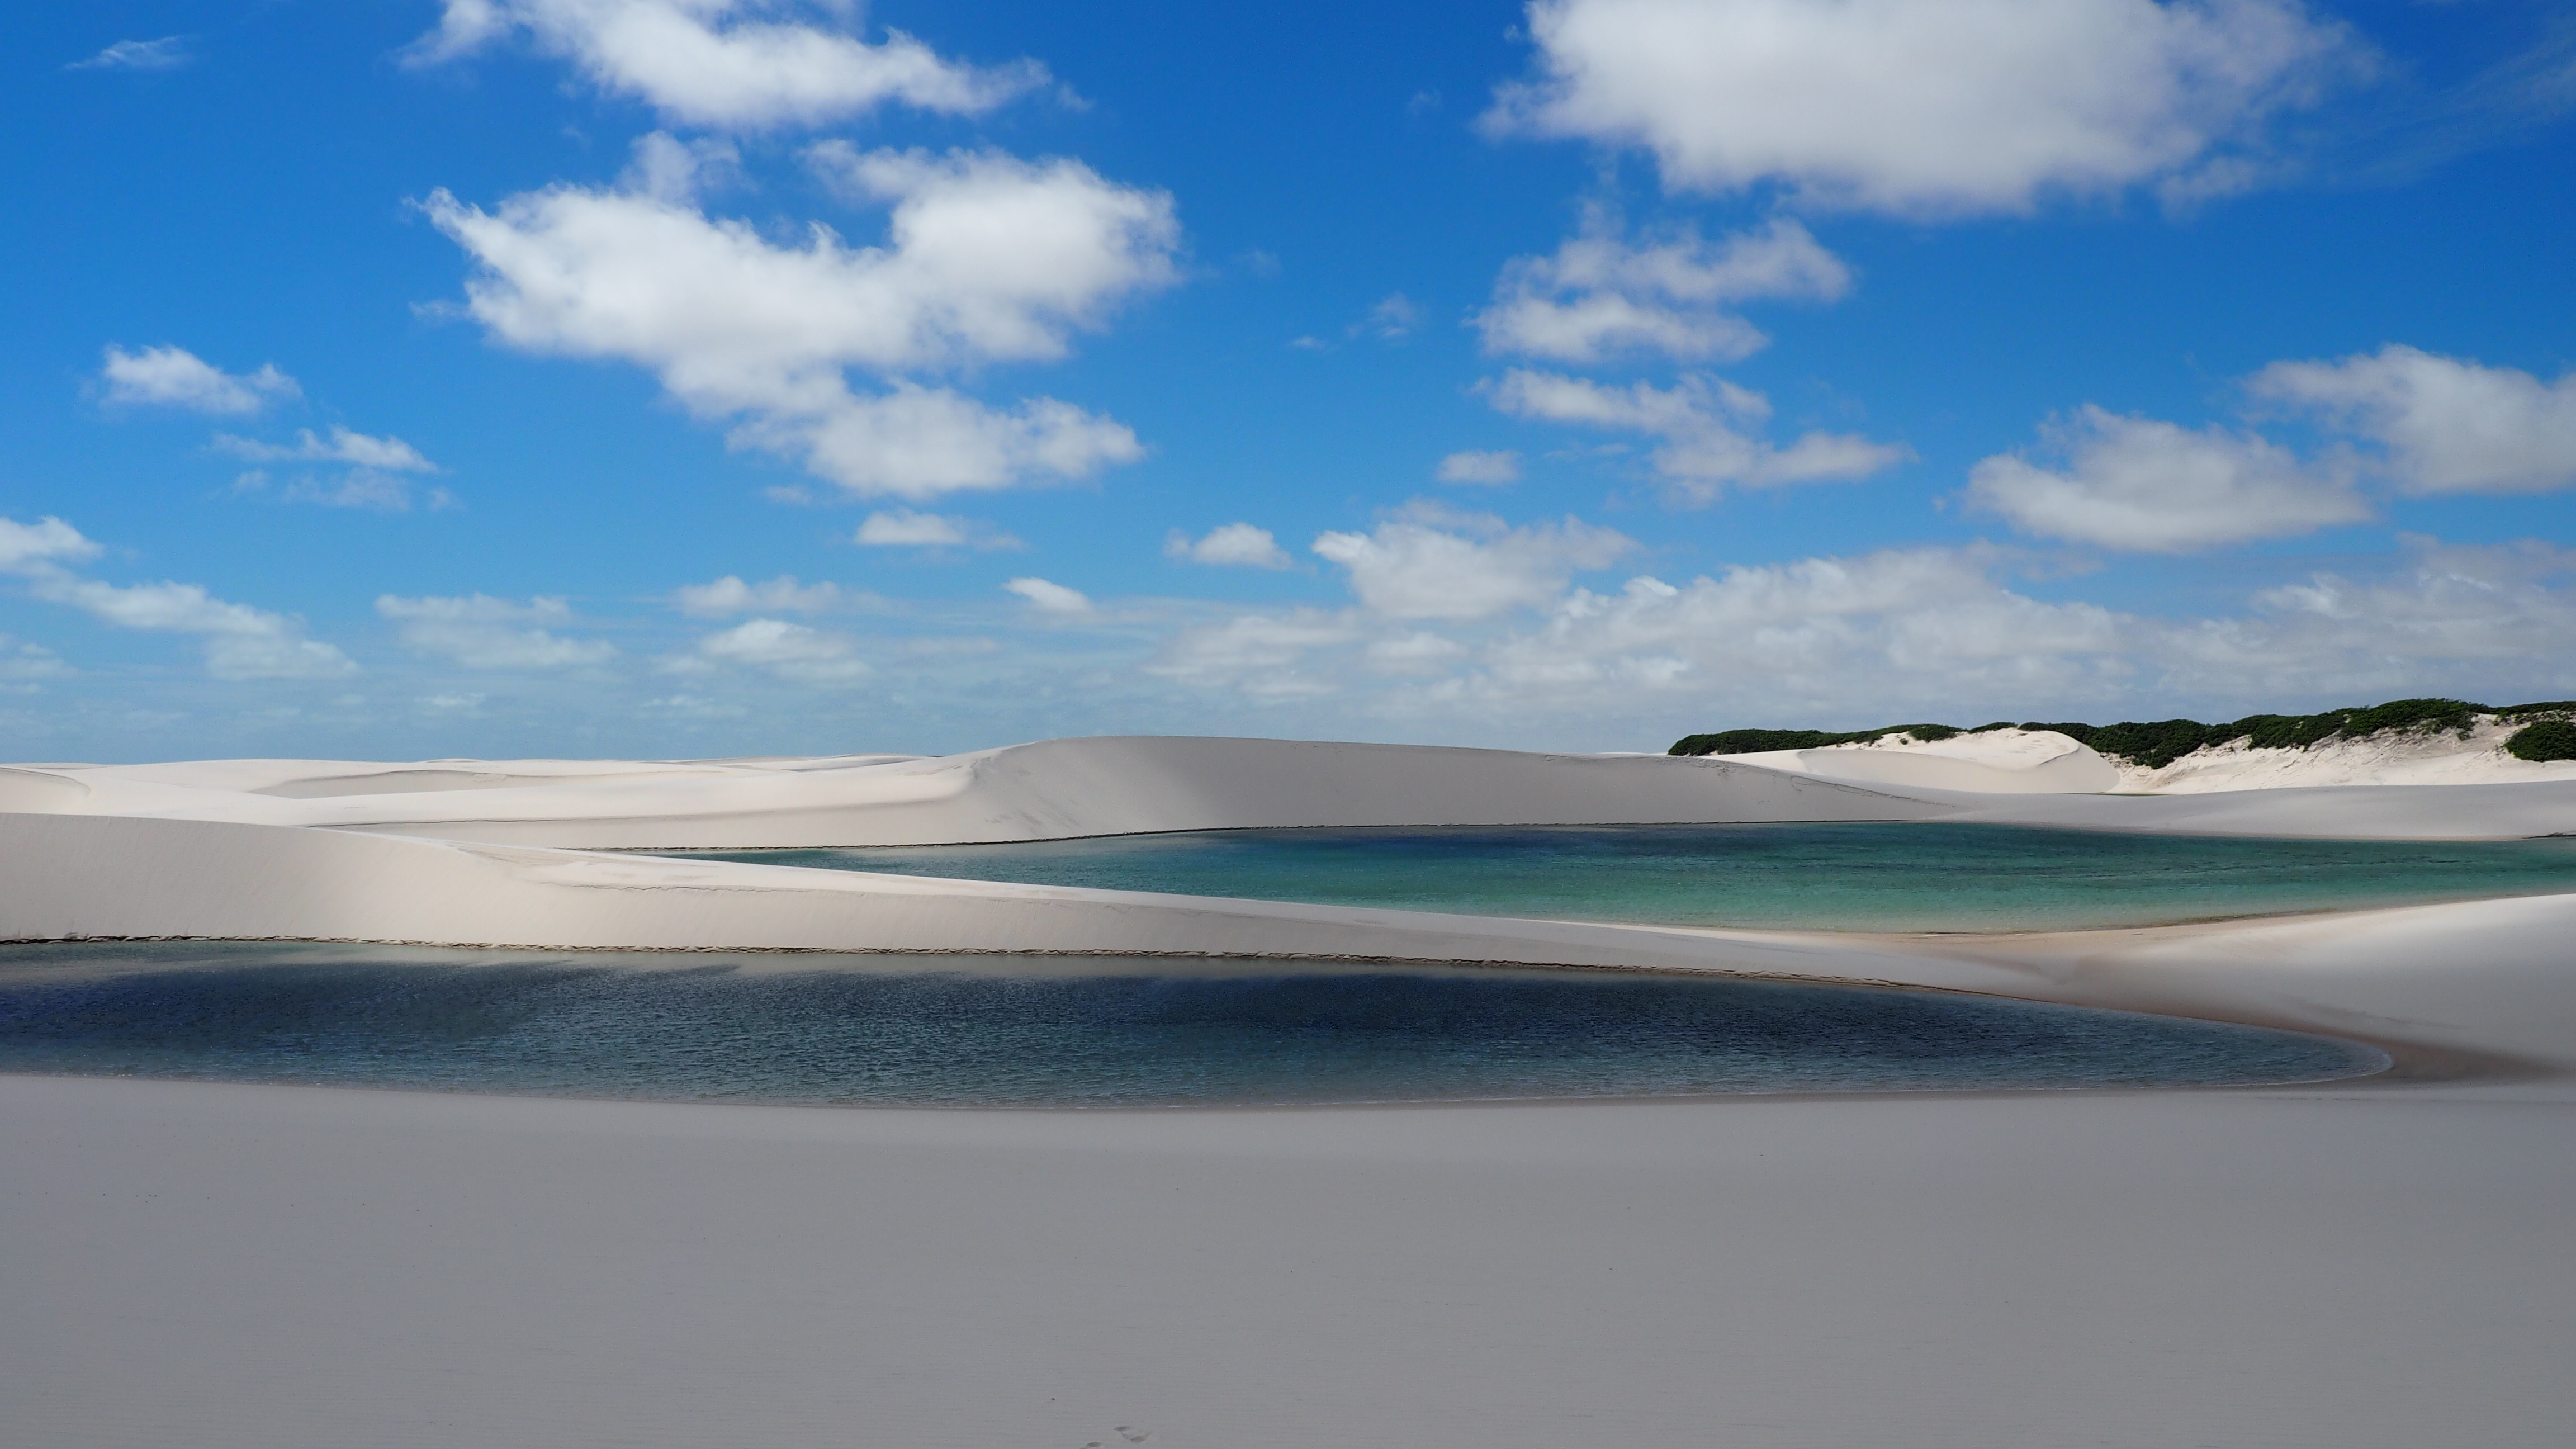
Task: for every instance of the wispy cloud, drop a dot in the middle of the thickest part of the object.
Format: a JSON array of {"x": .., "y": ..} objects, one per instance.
[
  {"x": 241, "y": 642},
  {"x": 170, "y": 52},
  {"x": 908, "y": 528},
  {"x": 729, "y": 595},
  {"x": 173, "y": 377},
  {"x": 484, "y": 633}
]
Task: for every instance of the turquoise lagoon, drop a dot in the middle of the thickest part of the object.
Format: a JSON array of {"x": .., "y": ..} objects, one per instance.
[{"x": 1836, "y": 877}]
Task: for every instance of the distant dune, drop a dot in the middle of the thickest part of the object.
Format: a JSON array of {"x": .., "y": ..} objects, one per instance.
[{"x": 2019, "y": 761}]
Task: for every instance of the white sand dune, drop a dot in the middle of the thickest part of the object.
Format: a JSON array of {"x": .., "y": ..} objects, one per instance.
[
  {"x": 2016, "y": 761},
  {"x": 2374, "y": 788},
  {"x": 2392, "y": 757},
  {"x": 95, "y": 878},
  {"x": 2008, "y": 762},
  {"x": 1051, "y": 790},
  {"x": 2375, "y": 1265},
  {"x": 1061, "y": 789}
]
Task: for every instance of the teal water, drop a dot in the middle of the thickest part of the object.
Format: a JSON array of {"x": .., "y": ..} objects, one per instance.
[
  {"x": 953, "y": 1031},
  {"x": 1865, "y": 877}
]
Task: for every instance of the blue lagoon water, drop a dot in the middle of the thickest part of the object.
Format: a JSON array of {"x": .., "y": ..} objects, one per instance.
[
  {"x": 1004, "y": 1031},
  {"x": 1846, "y": 877}
]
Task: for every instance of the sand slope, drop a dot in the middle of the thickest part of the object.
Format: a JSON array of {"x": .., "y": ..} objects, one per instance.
[
  {"x": 1121, "y": 785},
  {"x": 78, "y": 877},
  {"x": 2007, "y": 762},
  {"x": 1050, "y": 790},
  {"x": 2392, "y": 757}
]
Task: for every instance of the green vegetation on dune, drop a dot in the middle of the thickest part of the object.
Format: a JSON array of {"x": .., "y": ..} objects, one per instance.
[
  {"x": 2550, "y": 739},
  {"x": 2155, "y": 744},
  {"x": 1754, "y": 742}
]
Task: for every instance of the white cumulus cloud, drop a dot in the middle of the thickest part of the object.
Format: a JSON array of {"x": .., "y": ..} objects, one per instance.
[
  {"x": 1915, "y": 633},
  {"x": 2141, "y": 485},
  {"x": 782, "y": 595},
  {"x": 1406, "y": 569},
  {"x": 2445, "y": 425},
  {"x": 1050, "y": 598},
  {"x": 2443, "y": 604},
  {"x": 1413, "y": 652},
  {"x": 1926, "y": 106},
  {"x": 905, "y": 528},
  {"x": 47, "y": 542},
  {"x": 920, "y": 442},
  {"x": 910, "y": 528},
  {"x": 1702, "y": 422},
  {"x": 988, "y": 259},
  {"x": 1258, "y": 655},
  {"x": 727, "y": 63},
  {"x": 797, "y": 653},
  {"x": 1600, "y": 296},
  {"x": 1874, "y": 626},
  {"x": 173, "y": 377},
  {"x": 1239, "y": 544},
  {"x": 241, "y": 642},
  {"x": 481, "y": 632},
  {"x": 1475, "y": 466}
]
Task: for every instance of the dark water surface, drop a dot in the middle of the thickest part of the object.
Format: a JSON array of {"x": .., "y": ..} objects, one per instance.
[
  {"x": 1848, "y": 877},
  {"x": 995, "y": 1031}
]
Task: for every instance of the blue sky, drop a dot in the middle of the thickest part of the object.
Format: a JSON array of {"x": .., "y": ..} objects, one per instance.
[{"x": 705, "y": 377}]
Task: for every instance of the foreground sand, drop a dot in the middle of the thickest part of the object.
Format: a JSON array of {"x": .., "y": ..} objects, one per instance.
[
  {"x": 235, "y": 1267},
  {"x": 2385, "y": 1263}
]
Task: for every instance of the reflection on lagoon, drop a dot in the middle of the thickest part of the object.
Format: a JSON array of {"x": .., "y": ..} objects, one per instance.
[{"x": 1000, "y": 1031}]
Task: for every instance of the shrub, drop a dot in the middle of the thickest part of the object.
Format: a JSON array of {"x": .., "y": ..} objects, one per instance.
[
  {"x": 2456, "y": 715},
  {"x": 2551, "y": 739},
  {"x": 1748, "y": 742},
  {"x": 2282, "y": 731},
  {"x": 2155, "y": 744},
  {"x": 1754, "y": 742}
]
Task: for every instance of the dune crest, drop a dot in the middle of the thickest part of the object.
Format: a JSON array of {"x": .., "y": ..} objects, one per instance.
[
  {"x": 1054, "y": 789},
  {"x": 1998, "y": 762}
]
